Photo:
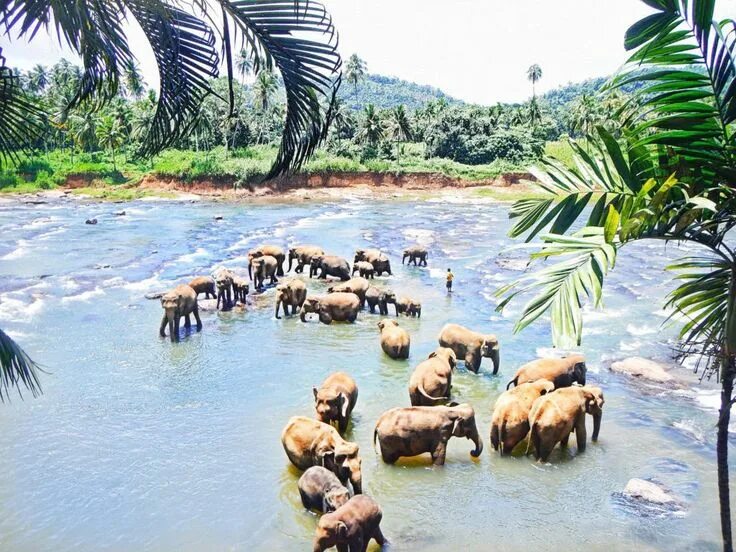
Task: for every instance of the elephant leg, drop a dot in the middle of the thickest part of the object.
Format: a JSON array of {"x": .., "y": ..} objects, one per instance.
[
  {"x": 175, "y": 335},
  {"x": 358, "y": 545},
  {"x": 353, "y": 317},
  {"x": 495, "y": 440},
  {"x": 187, "y": 322},
  {"x": 378, "y": 536},
  {"x": 197, "y": 318},
  {"x": 580, "y": 432},
  {"x": 342, "y": 424},
  {"x": 472, "y": 362},
  {"x": 342, "y": 547},
  {"x": 439, "y": 453},
  {"x": 325, "y": 317},
  {"x": 388, "y": 457},
  {"x": 162, "y": 328}
]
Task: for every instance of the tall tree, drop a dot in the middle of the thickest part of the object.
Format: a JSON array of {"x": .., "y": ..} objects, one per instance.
[
  {"x": 110, "y": 135},
  {"x": 355, "y": 71},
  {"x": 399, "y": 126},
  {"x": 264, "y": 89},
  {"x": 295, "y": 37},
  {"x": 38, "y": 78},
  {"x": 534, "y": 74},
  {"x": 245, "y": 64},
  {"x": 671, "y": 178},
  {"x": 134, "y": 83},
  {"x": 371, "y": 130}
]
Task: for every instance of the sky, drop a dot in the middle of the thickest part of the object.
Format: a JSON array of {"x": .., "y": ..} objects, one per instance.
[{"x": 474, "y": 50}]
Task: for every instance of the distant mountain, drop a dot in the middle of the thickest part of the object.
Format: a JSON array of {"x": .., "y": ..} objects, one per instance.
[{"x": 385, "y": 92}]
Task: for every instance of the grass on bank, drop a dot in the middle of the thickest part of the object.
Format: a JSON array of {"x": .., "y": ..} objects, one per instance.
[{"x": 46, "y": 171}]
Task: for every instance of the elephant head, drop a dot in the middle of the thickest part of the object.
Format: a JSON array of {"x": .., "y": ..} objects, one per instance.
[
  {"x": 330, "y": 405},
  {"x": 447, "y": 354},
  {"x": 405, "y": 255},
  {"x": 463, "y": 425},
  {"x": 314, "y": 264},
  {"x": 331, "y": 530},
  {"x": 491, "y": 349},
  {"x": 578, "y": 368},
  {"x": 344, "y": 461},
  {"x": 594, "y": 402},
  {"x": 223, "y": 279},
  {"x": 359, "y": 255},
  {"x": 389, "y": 298},
  {"x": 311, "y": 304},
  {"x": 171, "y": 303},
  {"x": 334, "y": 498},
  {"x": 283, "y": 296},
  {"x": 252, "y": 255}
]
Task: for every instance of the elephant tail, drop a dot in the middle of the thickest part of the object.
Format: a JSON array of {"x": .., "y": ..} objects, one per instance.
[
  {"x": 375, "y": 434},
  {"x": 515, "y": 381},
  {"x": 494, "y": 437},
  {"x": 502, "y": 437},
  {"x": 533, "y": 442},
  {"x": 426, "y": 395}
]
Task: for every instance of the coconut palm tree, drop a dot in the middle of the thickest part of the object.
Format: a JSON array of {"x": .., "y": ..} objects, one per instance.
[
  {"x": 264, "y": 89},
  {"x": 134, "y": 83},
  {"x": 399, "y": 126},
  {"x": 534, "y": 74},
  {"x": 38, "y": 78},
  {"x": 584, "y": 114},
  {"x": 16, "y": 369},
  {"x": 110, "y": 135},
  {"x": 245, "y": 64},
  {"x": 371, "y": 130},
  {"x": 671, "y": 178},
  {"x": 355, "y": 71},
  {"x": 295, "y": 37}
]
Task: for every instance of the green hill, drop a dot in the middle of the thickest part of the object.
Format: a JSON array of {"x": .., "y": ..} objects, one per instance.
[{"x": 385, "y": 92}]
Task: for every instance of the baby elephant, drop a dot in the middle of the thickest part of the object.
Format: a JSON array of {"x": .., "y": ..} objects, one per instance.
[
  {"x": 241, "y": 287},
  {"x": 409, "y": 307},
  {"x": 350, "y": 527},
  {"x": 381, "y": 299},
  {"x": 335, "y": 400},
  {"x": 563, "y": 372},
  {"x": 431, "y": 381},
  {"x": 395, "y": 341},
  {"x": 321, "y": 490},
  {"x": 419, "y": 429},
  {"x": 364, "y": 269},
  {"x": 203, "y": 284},
  {"x": 224, "y": 283},
  {"x": 510, "y": 423},
  {"x": 177, "y": 303}
]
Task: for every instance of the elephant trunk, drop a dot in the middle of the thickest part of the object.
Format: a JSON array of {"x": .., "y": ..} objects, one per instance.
[
  {"x": 496, "y": 359},
  {"x": 303, "y": 315},
  {"x": 291, "y": 258},
  {"x": 357, "y": 481},
  {"x": 172, "y": 328},
  {"x": 250, "y": 271},
  {"x": 596, "y": 425},
  {"x": 404, "y": 258},
  {"x": 475, "y": 437}
]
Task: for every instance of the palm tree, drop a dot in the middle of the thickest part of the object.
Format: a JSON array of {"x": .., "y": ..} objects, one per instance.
[
  {"x": 535, "y": 112},
  {"x": 355, "y": 70},
  {"x": 264, "y": 89},
  {"x": 134, "y": 83},
  {"x": 83, "y": 128},
  {"x": 245, "y": 63},
  {"x": 371, "y": 130},
  {"x": 296, "y": 37},
  {"x": 534, "y": 74},
  {"x": 110, "y": 135},
  {"x": 38, "y": 78},
  {"x": 671, "y": 178},
  {"x": 399, "y": 126},
  {"x": 584, "y": 114},
  {"x": 16, "y": 369}
]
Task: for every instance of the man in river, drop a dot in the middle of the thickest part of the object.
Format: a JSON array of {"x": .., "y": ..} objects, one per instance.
[{"x": 450, "y": 278}]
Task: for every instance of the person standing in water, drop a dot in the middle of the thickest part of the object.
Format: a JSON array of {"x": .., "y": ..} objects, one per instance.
[{"x": 450, "y": 278}]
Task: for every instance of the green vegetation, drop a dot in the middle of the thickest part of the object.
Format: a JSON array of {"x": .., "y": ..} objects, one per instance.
[{"x": 667, "y": 175}]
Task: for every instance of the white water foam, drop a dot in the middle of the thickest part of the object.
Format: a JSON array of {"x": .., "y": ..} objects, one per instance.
[
  {"x": 17, "y": 310},
  {"x": 84, "y": 296},
  {"x": 20, "y": 251}
]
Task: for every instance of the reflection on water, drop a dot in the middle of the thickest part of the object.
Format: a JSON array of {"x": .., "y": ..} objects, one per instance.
[{"x": 140, "y": 444}]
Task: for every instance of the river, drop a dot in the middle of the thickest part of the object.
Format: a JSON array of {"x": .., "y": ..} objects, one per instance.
[{"x": 141, "y": 444}]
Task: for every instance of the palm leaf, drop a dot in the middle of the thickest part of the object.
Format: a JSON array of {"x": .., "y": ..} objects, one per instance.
[{"x": 16, "y": 369}]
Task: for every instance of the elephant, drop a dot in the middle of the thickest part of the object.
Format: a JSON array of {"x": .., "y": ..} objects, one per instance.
[
  {"x": 303, "y": 255},
  {"x": 563, "y": 372},
  {"x": 335, "y": 399},
  {"x": 359, "y": 286},
  {"x": 379, "y": 261},
  {"x": 395, "y": 341},
  {"x": 415, "y": 253},
  {"x": 290, "y": 294},
  {"x": 471, "y": 346},
  {"x": 177, "y": 303},
  {"x": 320, "y": 489},
  {"x": 409, "y": 307},
  {"x": 263, "y": 267},
  {"x": 381, "y": 299},
  {"x": 310, "y": 443},
  {"x": 203, "y": 284},
  {"x": 330, "y": 265},
  {"x": 224, "y": 284},
  {"x": 431, "y": 381},
  {"x": 364, "y": 269},
  {"x": 555, "y": 415},
  {"x": 241, "y": 287},
  {"x": 338, "y": 307},
  {"x": 419, "y": 429},
  {"x": 267, "y": 250},
  {"x": 510, "y": 423},
  {"x": 351, "y": 527}
]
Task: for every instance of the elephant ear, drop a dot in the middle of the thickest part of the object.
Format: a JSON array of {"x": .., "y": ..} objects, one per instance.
[
  {"x": 381, "y": 325},
  {"x": 459, "y": 421},
  {"x": 314, "y": 390},
  {"x": 344, "y": 403},
  {"x": 433, "y": 354},
  {"x": 327, "y": 458}
]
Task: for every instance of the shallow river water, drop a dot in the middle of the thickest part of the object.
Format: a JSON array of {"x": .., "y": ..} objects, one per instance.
[{"x": 141, "y": 444}]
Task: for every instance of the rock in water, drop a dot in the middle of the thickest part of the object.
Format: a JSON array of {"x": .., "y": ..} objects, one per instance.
[
  {"x": 643, "y": 368},
  {"x": 641, "y": 489},
  {"x": 91, "y": 221},
  {"x": 155, "y": 295}
]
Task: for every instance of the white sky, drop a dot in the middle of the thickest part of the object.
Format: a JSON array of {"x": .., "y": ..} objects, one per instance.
[{"x": 475, "y": 50}]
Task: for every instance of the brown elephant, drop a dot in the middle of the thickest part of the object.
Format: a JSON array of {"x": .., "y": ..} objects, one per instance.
[
  {"x": 241, "y": 287},
  {"x": 263, "y": 267},
  {"x": 563, "y": 372},
  {"x": 310, "y": 443},
  {"x": 351, "y": 527},
  {"x": 329, "y": 265},
  {"x": 431, "y": 381},
  {"x": 395, "y": 341},
  {"x": 419, "y": 429},
  {"x": 409, "y": 307},
  {"x": 381, "y": 299},
  {"x": 224, "y": 284},
  {"x": 379, "y": 261},
  {"x": 303, "y": 255},
  {"x": 359, "y": 286},
  {"x": 338, "y": 307},
  {"x": 364, "y": 269},
  {"x": 555, "y": 415},
  {"x": 267, "y": 250},
  {"x": 415, "y": 253},
  {"x": 320, "y": 489},
  {"x": 471, "y": 346},
  {"x": 510, "y": 423},
  {"x": 335, "y": 399},
  {"x": 203, "y": 284},
  {"x": 290, "y": 294},
  {"x": 177, "y": 303}
]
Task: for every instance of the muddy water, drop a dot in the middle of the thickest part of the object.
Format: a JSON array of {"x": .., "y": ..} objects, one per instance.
[{"x": 138, "y": 444}]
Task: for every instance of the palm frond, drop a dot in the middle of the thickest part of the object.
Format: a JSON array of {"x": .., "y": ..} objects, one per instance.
[{"x": 17, "y": 369}]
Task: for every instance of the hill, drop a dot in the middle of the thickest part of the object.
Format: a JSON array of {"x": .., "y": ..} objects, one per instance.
[{"x": 386, "y": 92}]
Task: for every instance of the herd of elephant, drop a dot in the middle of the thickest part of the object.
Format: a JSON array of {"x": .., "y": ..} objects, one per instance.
[{"x": 549, "y": 399}]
